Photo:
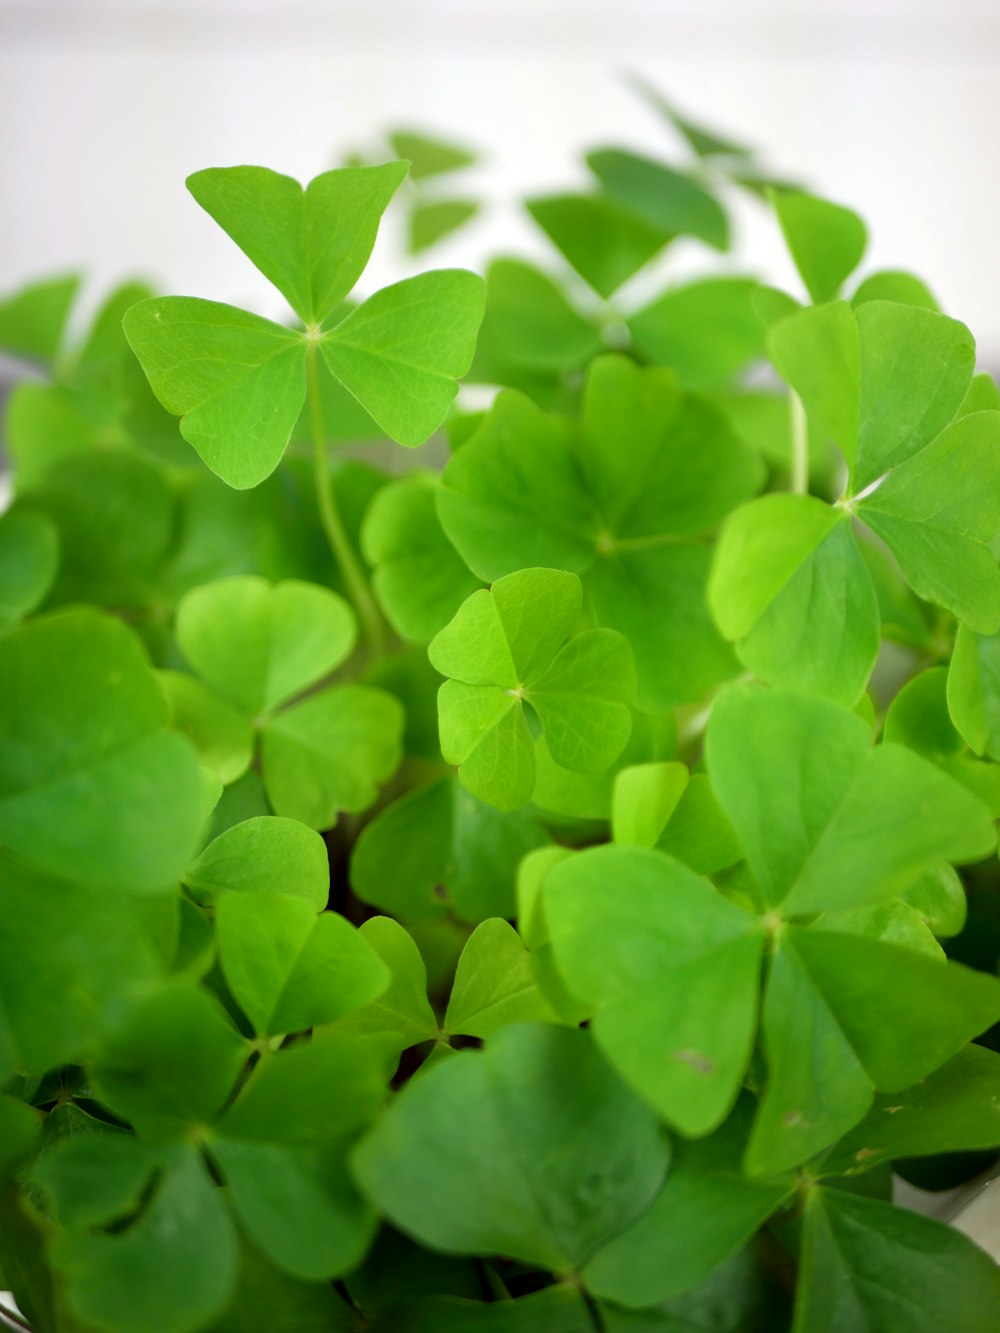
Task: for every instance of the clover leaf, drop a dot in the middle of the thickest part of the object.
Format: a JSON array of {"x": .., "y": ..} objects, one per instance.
[
  {"x": 239, "y": 382},
  {"x": 437, "y": 1166},
  {"x": 260, "y": 646},
  {"x": 624, "y": 501},
  {"x": 463, "y": 854},
  {"x": 506, "y": 648},
  {"x": 865, "y": 1262},
  {"x": 812, "y": 846},
  {"x": 93, "y": 786}
]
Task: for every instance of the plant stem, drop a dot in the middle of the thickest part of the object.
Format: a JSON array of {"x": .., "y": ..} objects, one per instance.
[
  {"x": 799, "y": 484},
  {"x": 353, "y": 575}
]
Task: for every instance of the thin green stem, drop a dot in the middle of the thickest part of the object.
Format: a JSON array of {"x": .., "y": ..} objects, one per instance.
[
  {"x": 350, "y": 568},
  {"x": 799, "y": 484}
]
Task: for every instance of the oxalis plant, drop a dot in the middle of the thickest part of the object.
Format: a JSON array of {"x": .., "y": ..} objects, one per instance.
[{"x": 516, "y": 893}]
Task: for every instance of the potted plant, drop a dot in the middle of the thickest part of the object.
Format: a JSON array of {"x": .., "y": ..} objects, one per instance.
[{"x": 518, "y": 893}]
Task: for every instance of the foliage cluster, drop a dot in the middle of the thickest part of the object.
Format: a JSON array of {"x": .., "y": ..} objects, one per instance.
[{"x": 517, "y": 892}]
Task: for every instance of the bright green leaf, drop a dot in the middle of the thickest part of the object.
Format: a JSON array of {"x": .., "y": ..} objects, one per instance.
[
  {"x": 827, "y": 241},
  {"x": 264, "y": 855}
]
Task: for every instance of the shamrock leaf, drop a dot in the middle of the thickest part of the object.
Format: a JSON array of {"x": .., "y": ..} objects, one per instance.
[
  {"x": 866, "y": 1264},
  {"x": 502, "y": 651},
  {"x": 437, "y": 1166},
  {"x": 827, "y": 241},
  {"x": 261, "y": 645},
  {"x": 418, "y": 577},
  {"x": 624, "y": 501},
  {"x": 280, "y": 1148},
  {"x": 401, "y": 1014},
  {"x": 172, "y": 1270},
  {"x": 660, "y": 195},
  {"x": 29, "y": 557},
  {"x": 669, "y": 966},
  {"x": 494, "y": 985},
  {"x": 33, "y": 319},
  {"x": 429, "y": 156},
  {"x": 462, "y": 853},
  {"x": 605, "y": 242},
  {"x": 263, "y": 855},
  {"x": 953, "y": 1109},
  {"x": 238, "y": 382},
  {"x": 705, "y": 1211},
  {"x": 289, "y": 968},
  {"x": 93, "y": 787},
  {"x": 790, "y": 588},
  {"x": 974, "y": 690},
  {"x": 859, "y": 824},
  {"x": 871, "y": 1015},
  {"x": 706, "y": 331}
]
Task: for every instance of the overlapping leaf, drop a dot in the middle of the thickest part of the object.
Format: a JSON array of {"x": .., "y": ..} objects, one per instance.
[
  {"x": 260, "y": 646},
  {"x": 624, "y": 501}
]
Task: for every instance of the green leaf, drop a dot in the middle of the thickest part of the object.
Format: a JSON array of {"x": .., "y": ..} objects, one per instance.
[
  {"x": 259, "y": 644},
  {"x": 817, "y": 352},
  {"x": 846, "y": 834},
  {"x": 939, "y": 898},
  {"x": 19, "y": 1126},
  {"x": 827, "y": 241},
  {"x": 266, "y": 1296},
  {"x": 706, "y": 1210},
  {"x": 171, "y": 1271},
  {"x": 33, "y": 320},
  {"x": 645, "y": 797},
  {"x": 307, "y": 1093},
  {"x": 954, "y": 1109},
  {"x": 92, "y": 786},
  {"x": 494, "y": 985},
  {"x": 531, "y": 322},
  {"x": 331, "y": 752},
  {"x": 114, "y": 514},
  {"x": 700, "y": 139},
  {"x": 67, "y": 955},
  {"x": 439, "y": 1162},
  {"x": 918, "y": 716},
  {"x": 660, "y": 195},
  {"x": 504, "y": 648},
  {"x": 298, "y": 1204},
  {"x": 263, "y": 855},
  {"x": 432, "y": 221},
  {"x": 937, "y": 510},
  {"x": 866, "y": 1264},
  {"x": 418, "y": 577},
  {"x": 789, "y": 586},
  {"x": 402, "y": 1010},
  {"x": 290, "y": 969},
  {"x": 29, "y": 557},
  {"x": 974, "y": 690},
  {"x": 429, "y": 156},
  {"x": 222, "y": 736},
  {"x": 312, "y": 243},
  {"x": 873, "y": 1015},
  {"x": 698, "y": 833},
  {"x": 460, "y": 852},
  {"x": 650, "y": 466},
  {"x": 707, "y": 331},
  {"x": 170, "y": 1059},
  {"x": 237, "y": 381},
  {"x": 638, "y": 936},
  {"x": 401, "y": 351},
  {"x": 605, "y": 243},
  {"x": 897, "y": 286},
  {"x": 96, "y": 1178}
]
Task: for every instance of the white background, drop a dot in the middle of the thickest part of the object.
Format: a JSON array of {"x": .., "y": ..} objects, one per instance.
[{"x": 105, "y": 106}]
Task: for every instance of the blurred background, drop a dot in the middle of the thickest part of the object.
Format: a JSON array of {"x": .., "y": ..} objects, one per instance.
[{"x": 889, "y": 106}]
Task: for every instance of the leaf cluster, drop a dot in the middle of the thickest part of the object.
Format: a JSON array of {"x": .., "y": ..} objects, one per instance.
[{"x": 549, "y": 887}]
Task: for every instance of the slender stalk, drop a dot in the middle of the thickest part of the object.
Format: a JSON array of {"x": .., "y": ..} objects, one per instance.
[
  {"x": 799, "y": 483},
  {"x": 353, "y": 575}
]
